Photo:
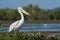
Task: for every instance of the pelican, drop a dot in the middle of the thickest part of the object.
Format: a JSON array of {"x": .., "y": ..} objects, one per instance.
[{"x": 18, "y": 24}]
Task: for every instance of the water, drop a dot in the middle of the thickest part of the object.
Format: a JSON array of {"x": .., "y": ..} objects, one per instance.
[{"x": 35, "y": 28}]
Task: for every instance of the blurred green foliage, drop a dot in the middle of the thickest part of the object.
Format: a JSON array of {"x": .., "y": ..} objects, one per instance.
[
  {"x": 0, "y": 23},
  {"x": 20, "y": 36},
  {"x": 25, "y": 36},
  {"x": 36, "y": 13}
]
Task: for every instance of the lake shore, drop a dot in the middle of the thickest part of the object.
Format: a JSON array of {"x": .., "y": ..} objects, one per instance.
[
  {"x": 25, "y": 36},
  {"x": 11, "y": 36},
  {"x": 38, "y": 21}
]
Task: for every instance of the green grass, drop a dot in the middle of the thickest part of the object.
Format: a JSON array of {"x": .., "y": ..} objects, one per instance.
[
  {"x": 19, "y": 36},
  {"x": 22, "y": 36}
]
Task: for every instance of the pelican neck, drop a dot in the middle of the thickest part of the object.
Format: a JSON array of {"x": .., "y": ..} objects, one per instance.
[{"x": 22, "y": 17}]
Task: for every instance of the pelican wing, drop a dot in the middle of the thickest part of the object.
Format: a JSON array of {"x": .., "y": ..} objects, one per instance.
[{"x": 13, "y": 25}]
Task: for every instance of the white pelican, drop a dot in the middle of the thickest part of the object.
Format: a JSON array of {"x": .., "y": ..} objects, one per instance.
[{"x": 17, "y": 25}]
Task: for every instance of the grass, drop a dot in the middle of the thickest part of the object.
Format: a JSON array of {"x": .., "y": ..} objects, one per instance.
[
  {"x": 19, "y": 36},
  {"x": 22, "y": 36}
]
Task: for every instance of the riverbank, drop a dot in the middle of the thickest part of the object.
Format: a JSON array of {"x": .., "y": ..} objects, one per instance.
[
  {"x": 25, "y": 36},
  {"x": 35, "y": 21}
]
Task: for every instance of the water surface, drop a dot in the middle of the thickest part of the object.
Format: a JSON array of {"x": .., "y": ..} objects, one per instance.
[{"x": 35, "y": 28}]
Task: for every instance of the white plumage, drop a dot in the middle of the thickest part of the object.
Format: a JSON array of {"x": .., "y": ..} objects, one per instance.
[{"x": 18, "y": 24}]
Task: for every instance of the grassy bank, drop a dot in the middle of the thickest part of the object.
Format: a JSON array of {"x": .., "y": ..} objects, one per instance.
[
  {"x": 35, "y": 21},
  {"x": 22, "y": 36}
]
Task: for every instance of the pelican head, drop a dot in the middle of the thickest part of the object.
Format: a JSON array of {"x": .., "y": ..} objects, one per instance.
[{"x": 20, "y": 9}]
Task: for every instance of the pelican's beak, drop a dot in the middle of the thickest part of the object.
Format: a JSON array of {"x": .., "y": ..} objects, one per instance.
[{"x": 25, "y": 12}]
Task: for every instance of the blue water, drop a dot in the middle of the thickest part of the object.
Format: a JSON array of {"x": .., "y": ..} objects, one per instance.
[{"x": 35, "y": 28}]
